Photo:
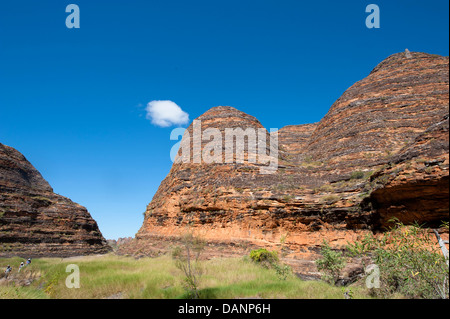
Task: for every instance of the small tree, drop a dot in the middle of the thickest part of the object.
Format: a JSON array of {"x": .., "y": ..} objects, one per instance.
[
  {"x": 187, "y": 259},
  {"x": 331, "y": 263}
]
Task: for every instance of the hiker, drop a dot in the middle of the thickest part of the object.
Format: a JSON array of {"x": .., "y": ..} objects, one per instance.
[
  {"x": 7, "y": 271},
  {"x": 21, "y": 265},
  {"x": 28, "y": 261}
]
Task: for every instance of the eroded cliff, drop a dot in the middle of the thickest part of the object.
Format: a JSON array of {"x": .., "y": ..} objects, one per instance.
[
  {"x": 36, "y": 222},
  {"x": 380, "y": 152}
]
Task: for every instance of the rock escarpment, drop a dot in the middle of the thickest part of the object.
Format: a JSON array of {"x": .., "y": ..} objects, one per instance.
[
  {"x": 36, "y": 222},
  {"x": 380, "y": 114},
  {"x": 414, "y": 185},
  {"x": 380, "y": 152}
]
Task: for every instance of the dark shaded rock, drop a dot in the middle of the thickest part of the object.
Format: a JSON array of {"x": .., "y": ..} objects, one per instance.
[{"x": 34, "y": 221}]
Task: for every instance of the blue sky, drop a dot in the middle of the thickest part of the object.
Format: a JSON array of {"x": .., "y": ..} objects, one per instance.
[{"x": 73, "y": 100}]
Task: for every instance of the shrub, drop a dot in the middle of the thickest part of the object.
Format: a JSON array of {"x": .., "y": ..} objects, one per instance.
[
  {"x": 308, "y": 159},
  {"x": 282, "y": 270},
  {"x": 264, "y": 256},
  {"x": 329, "y": 199},
  {"x": 326, "y": 188},
  {"x": 187, "y": 260},
  {"x": 429, "y": 170},
  {"x": 269, "y": 259},
  {"x": 42, "y": 200},
  {"x": 357, "y": 175},
  {"x": 331, "y": 263},
  {"x": 409, "y": 261}
]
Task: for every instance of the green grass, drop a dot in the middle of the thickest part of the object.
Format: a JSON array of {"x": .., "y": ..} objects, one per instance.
[{"x": 109, "y": 275}]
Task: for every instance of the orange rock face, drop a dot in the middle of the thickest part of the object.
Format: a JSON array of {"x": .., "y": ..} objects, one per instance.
[
  {"x": 380, "y": 152},
  {"x": 34, "y": 221}
]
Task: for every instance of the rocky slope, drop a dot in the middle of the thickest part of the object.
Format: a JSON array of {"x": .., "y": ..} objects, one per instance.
[
  {"x": 414, "y": 185},
  {"x": 380, "y": 152},
  {"x": 36, "y": 222}
]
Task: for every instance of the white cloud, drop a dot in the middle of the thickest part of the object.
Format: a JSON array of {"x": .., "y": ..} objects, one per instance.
[{"x": 166, "y": 113}]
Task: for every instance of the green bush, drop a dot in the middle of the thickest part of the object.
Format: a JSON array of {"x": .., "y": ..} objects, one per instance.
[
  {"x": 263, "y": 256},
  {"x": 357, "y": 175},
  {"x": 269, "y": 259},
  {"x": 283, "y": 271},
  {"x": 331, "y": 263},
  {"x": 410, "y": 262}
]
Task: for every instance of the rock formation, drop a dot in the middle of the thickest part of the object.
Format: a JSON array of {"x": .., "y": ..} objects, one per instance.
[
  {"x": 36, "y": 222},
  {"x": 414, "y": 185},
  {"x": 380, "y": 152},
  {"x": 116, "y": 244}
]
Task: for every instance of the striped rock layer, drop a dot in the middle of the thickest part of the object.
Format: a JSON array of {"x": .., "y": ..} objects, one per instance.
[
  {"x": 380, "y": 152},
  {"x": 36, "y": 222}
]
